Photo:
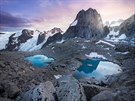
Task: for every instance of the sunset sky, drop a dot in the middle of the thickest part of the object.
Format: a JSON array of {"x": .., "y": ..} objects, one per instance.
[{"x": 46, "y": 14}]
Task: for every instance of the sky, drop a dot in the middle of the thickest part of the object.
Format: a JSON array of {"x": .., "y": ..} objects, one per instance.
[{"x": 47, "y": 14}]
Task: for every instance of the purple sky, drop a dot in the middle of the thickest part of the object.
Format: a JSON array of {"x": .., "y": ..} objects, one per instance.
[{"x": 46, "y": 14}]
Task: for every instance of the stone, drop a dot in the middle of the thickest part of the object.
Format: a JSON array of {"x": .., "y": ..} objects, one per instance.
[
  {"x": 69, "y": 89},
  {"x": 43, "y": 92}
]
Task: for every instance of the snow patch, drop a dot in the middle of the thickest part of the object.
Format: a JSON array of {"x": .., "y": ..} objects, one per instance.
[
  {"x": 124, "y": 53},
  {"x": 59, "y": 42},
  {"x": 74, "y": 23},
  {"x": 95, "y": 55},
  {"x": 114, "y": 36},
  {"x": 57, "y": 76},
  {"x": 83, "y": 47},
  {"x": 122, "y": 36},
  {"x": 101, "y": 41}
]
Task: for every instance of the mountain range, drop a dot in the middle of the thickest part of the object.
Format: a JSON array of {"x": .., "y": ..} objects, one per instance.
[
  {"x": 87, "y": 24},
  {"x": 86, "y": 43}
]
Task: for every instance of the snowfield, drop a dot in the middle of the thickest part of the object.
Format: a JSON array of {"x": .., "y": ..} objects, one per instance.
[
  {"x": 95, "y": 55},
  {"x": 115, "y": 37},
  {"x": 101, "y": 41}
]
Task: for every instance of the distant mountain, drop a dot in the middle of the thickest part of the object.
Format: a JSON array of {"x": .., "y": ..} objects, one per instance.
[
  {"x": 114, "y": 23},
  {"x": 15, "y": 41},
  {"x": 125, "y": 31},
  {"x": 87, "y": 24},
  {"x": 55, "y": 30},
  {"x": 27, "y": 40},
  {"x": 128, "y": 27}
]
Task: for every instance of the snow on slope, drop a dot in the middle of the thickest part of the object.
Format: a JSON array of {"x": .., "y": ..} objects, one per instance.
[
  {"x": 101, "y": 41},
  {"x": 74, "y": 23},
  {"x": 31, "y": 44},
  {"x": 115, "y": 37},
  {"x": 4, "y": 38},
  {"x": 60, "y": 41},
  {"x": 95, "y": 55}
]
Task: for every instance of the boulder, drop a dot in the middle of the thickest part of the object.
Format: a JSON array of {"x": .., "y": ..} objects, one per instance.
[
  {"x": 69, "y": 89},
  {"x": 43, "y": 92}
]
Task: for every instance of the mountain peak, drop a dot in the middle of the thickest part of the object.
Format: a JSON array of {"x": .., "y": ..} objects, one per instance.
[{"x": 87, "y": 24}]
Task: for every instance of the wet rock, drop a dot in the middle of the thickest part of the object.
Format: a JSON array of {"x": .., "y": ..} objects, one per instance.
[
  {"x": 69, "y": 89},
  {"x": 43, "y": 92}
]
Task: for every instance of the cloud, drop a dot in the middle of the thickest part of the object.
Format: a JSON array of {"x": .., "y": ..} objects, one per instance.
[
  {"x": 8, "y": 20},
  {"x": 46, "y": 14}
]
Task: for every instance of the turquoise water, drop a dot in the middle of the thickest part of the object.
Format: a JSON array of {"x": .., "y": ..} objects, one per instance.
[
  {"x": 95, "y": 68},
  {"x": 39, "y": 61},
  {"x": 89, "y": 66}
]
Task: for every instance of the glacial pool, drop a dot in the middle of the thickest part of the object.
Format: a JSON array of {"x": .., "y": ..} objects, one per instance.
[
  {"x": 95, "y": 68},
  {"x": 39, "y": 61}
]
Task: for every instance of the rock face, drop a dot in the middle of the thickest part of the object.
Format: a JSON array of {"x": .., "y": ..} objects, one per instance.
[
  {"x": 41, "y": 38},
  {"x": 128, "y": 27},
  {"x": 88, "y": 24},
  {"x": 55, "y": 30},
  {"x": 43, "y": 92},
  {"x": 54, "y": 38},
  {"x": 14, "y": 42}
]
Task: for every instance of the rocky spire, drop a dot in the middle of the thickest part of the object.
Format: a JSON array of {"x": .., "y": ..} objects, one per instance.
[{"x": 88, "y": 24}]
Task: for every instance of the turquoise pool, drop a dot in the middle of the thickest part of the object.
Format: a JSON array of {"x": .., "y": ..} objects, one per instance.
[
  {"x": 97, "y": 69},
  {"x": 39, "y": 61}
]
